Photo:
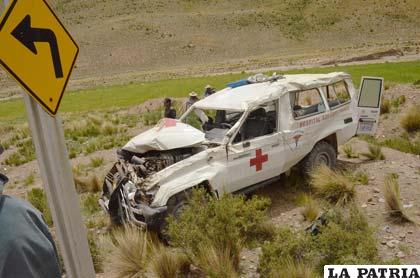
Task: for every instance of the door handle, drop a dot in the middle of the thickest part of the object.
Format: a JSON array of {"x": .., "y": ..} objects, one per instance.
[
  {"x": 246, "y": 144},
  {"x": 348, "y": 120}
]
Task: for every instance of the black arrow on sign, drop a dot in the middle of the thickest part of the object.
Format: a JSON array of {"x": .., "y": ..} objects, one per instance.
[{"x": 28, "y": 36}]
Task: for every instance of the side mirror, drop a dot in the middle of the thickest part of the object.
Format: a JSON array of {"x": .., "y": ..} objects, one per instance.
[
  {"x": 3, "y": 180},
  {"x": 246, "y": 144}
]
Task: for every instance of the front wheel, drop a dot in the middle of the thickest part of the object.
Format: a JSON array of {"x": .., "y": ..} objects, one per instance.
[{"x": 323, "y": 153}]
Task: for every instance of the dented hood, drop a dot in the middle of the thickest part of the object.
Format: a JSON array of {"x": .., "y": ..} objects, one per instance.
[{"x": 166, "y": 135}]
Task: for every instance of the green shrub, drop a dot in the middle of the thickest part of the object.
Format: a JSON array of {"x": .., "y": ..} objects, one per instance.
[
  {"x": 346, "y": 238},
  {"x": 287, "y": 245},
  {"x": 224, "y": 223},
  {"x": 37, "y": 198},
  {"x": 410, "y": 120}
]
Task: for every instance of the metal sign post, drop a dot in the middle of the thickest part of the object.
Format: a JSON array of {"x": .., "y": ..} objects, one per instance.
[
  {"x": 48, "y": 137},
  {"x": 47, "y": 131}
]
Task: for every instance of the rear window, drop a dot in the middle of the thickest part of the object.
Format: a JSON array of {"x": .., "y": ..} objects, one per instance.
[{"x": 337, "y": 94}]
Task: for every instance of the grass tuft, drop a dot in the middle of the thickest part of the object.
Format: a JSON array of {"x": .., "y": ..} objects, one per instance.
[
  {"x": 128, "y": 251},
  {"x": 217, "y": 262},
  {"x": 90, "y": 203},
  {"x": 96, "y": 162},
  {"x": 167, "y": 262},
  {"x": 410, "y": 120},
  {"x": 394, "y": 206},
  {"x": 375, "y": 153},
  {"x": 95, "y": 251},
  {"x": 37, "y": 198},
  {"x": 29, "y": 179},
  {"x": 289, "y": 268},
  {"x": 358, "y": 177},
  {"x": 87, "y": 184},
  {"x": 334, "y": 187},
  {"x": 310, "y": 209},
  {"x": 349, "y": 152},
  {"x": 385, "y": 106}
]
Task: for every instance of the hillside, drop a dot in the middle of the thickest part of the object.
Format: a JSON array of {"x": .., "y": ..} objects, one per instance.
[{"x": 120, "y": 39}]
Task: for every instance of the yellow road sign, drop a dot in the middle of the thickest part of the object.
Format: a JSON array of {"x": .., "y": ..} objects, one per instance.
[{"x": 37, "y": 51}]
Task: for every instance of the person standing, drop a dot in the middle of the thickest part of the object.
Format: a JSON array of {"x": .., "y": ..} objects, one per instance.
[
  {"x": 27, "y": 248},
  {"x": 169, "y": 112},
  {"x": 208, "y": 91},
  {"x": 193, "y": 98}
]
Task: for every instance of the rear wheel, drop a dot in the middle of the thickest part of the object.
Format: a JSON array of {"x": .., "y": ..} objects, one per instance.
[{"x": 323, "y": 153}]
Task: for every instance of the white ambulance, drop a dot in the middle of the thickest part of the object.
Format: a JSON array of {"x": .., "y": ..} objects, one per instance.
[{"x": 237, "y": 140}]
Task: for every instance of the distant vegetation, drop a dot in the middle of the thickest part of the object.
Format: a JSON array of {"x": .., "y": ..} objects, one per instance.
[{"x": 133, "y": 94}]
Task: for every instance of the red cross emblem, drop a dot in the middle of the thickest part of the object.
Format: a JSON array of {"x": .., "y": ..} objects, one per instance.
[
  {"x": 169, "y": 122},
  {"x": 258, "y": 160},
  {"x": 166, "y": 122}
]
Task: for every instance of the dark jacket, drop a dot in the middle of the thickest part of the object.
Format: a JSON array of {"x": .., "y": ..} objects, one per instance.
[
  {"x": 26, "y": 246},
  {"x": 170, "y": 113}
]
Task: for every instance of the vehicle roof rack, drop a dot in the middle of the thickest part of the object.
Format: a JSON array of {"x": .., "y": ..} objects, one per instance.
[{"x": 257, "y": 78}]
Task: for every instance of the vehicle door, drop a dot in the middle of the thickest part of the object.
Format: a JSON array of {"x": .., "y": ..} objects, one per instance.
[
  {"x": 253, "y": 154},
  {"x": 369, "y": 105},
  {"x": 307, "y": 124},
  {"x": 340, "y": 114}
]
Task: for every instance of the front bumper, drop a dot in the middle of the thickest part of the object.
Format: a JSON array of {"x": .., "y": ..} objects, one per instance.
[{"x": 121, "y": 210}]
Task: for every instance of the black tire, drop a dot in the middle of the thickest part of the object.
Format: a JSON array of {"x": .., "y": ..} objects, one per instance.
[
  {"x": 322, "y": 153},
  {"x": 175, "y": 206}
]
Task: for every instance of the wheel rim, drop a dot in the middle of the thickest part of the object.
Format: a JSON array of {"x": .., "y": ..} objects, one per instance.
[{"x": 323, "y": 159}]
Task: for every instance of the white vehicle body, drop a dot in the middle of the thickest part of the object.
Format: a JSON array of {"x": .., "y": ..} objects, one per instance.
[{"x": 274, "y": 125}]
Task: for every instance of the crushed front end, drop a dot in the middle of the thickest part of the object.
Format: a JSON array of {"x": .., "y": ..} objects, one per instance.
[{"x": 127, "y": 191}]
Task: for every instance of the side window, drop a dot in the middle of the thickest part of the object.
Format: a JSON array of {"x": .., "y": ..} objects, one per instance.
[
  {"x": 261, "y": 121},
  {"x": 337, "y": 94},
  {"x": 306, "y": 103}
]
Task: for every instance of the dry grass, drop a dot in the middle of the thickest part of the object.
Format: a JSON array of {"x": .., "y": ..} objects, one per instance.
[
  {"x": 394, "y": 206},
  {"x": 375, "y": 153},
  {"x": 128, "y": 253},
  {"x": 293, "y": 269},
  {"x": 332, "y": 186},
  {"x": 310, "y": 209},
  {"x": 87, "y": 184},
  {"x": 168, "y": 263},
  {"x": 385, "y": 106},
  {"x": 216, "y": 262},
  {"x": 410, "y": 120}
]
